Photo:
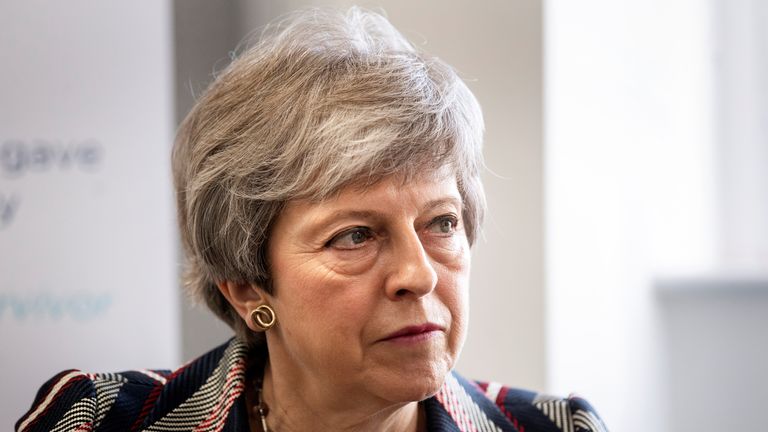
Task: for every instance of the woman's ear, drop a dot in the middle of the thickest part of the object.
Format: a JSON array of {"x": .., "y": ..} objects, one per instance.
[{"x": 244, "y": 298}]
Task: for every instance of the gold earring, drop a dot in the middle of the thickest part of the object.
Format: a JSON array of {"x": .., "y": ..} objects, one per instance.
[{"x": 263, "y": 317}]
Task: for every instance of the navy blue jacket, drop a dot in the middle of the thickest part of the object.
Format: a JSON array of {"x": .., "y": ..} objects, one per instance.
[{"x": 208, "y": 395}]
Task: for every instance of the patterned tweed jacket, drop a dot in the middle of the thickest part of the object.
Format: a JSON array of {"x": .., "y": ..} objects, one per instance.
[{"x": 207, "y": 395}]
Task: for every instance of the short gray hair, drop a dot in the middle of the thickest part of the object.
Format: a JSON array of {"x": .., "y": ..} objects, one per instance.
[{"x": 325, "y": 99}]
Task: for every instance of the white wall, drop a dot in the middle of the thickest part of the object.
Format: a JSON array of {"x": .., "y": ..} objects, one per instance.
[
  {"x": 657, "y": 210},
  {"x": 87, "y": 257},
  {"x": 630, "y": 192}
]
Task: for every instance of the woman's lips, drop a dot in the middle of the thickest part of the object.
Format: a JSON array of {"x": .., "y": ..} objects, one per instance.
[{"x": 414, "y": 334}]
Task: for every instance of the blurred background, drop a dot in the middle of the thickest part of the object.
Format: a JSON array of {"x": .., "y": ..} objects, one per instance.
[{"x": 625, "y": 256}]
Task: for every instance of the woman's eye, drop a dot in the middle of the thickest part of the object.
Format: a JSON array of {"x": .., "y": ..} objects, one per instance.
[
  {"x": 444, "y": 225},
  {"x": 351, "y": 239}
]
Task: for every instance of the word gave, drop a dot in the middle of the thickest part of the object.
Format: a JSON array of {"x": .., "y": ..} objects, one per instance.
[
  {"x": 18, "y": 156},
  {"x": 9, "y": 206}
]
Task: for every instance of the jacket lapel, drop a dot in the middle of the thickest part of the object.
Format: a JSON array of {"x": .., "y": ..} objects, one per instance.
[
  {"x": 201, "y": 395},
  {"x": 209, "y": 393},
  {"x": 460, "y": 406}
]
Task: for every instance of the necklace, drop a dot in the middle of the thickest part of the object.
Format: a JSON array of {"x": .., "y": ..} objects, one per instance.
[
  {"x": 261, "y": 407},
  {"x": 263, "y": 410}
]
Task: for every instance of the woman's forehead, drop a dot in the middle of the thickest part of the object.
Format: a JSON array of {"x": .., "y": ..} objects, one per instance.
[
  {"x": 390, "y": 194},
  {"x": 401, "y": 179}
]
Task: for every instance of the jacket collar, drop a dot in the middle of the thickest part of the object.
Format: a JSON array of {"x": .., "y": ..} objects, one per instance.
[{"x": 209, "y": 392}]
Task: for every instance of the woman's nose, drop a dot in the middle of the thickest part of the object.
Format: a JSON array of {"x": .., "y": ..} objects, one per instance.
[{"x": 412, "y": 273}]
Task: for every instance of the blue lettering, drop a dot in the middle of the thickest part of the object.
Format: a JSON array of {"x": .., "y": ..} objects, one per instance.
[
  {"x": 20, "y": 309},
  {"x": 79, "y": 306}
]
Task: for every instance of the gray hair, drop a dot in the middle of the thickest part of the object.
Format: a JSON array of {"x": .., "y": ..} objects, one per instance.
[{"x": 324, "y": 100}]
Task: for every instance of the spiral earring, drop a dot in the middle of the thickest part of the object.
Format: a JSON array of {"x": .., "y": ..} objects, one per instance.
[{"x": 263, "y": 317}]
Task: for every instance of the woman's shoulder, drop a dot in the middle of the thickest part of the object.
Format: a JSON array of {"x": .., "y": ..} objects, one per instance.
[
  {"x": 503, "y": 408},
  {"x": 74, "y": 398},
  {"x": 131, "y": 400},
  {"x": 525, "y": 407}
]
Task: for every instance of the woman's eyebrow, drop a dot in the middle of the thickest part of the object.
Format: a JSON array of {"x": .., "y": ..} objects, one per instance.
[{"x": 325, "y": 220}]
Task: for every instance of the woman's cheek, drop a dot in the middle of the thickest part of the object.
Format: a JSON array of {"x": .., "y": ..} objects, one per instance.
[
  {"x": 449, "y": 251},
  {"x": 351, "y": 262}
]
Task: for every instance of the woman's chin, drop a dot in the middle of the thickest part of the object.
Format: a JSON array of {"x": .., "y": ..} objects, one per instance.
[
  {"x": 411, "y": 385},
  {"x": 411, "y": 393}
]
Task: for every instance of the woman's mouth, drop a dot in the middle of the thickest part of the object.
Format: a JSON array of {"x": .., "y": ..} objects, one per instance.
[{"x": 414, "y": 334}]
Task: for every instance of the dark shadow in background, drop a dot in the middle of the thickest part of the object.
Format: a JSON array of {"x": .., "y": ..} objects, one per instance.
[{"x": 205, "y": 33}]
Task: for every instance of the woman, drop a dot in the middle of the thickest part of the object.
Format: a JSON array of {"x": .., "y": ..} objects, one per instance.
[{"x": 328, "y": 193}]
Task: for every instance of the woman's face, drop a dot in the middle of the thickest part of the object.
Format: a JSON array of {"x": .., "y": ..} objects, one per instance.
[{"x": 371, "y": 289}]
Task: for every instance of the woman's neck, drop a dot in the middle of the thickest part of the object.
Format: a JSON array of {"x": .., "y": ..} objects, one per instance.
[{"x": 296, "y": 407}]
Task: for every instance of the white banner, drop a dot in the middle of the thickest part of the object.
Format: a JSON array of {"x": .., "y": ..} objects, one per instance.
[{"x": 88, "y": 257}]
